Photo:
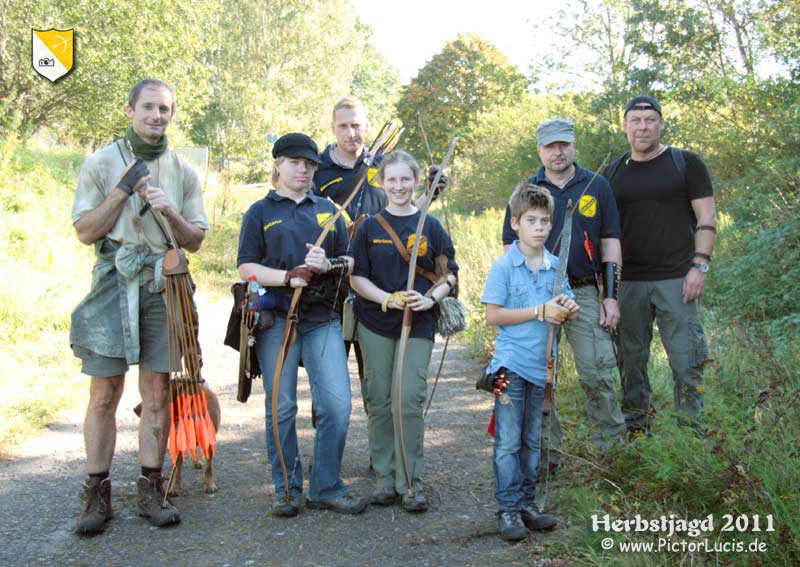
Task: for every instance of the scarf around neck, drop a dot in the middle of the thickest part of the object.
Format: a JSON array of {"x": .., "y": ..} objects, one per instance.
[{"x": 142, "y": 149}]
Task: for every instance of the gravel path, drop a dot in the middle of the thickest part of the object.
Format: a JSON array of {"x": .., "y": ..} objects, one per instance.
[{"x": 40, "y": 485}]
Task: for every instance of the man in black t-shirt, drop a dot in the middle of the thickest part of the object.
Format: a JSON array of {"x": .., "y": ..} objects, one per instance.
[{"x": 668, "y": 219}]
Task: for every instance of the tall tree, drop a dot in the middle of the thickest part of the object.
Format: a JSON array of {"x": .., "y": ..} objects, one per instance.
[
  {"x": 377, "y": 84},
  {"x": 469, "y": 76},
  {"x": 276, "y": 67},
  {"x": 113, "y": 49}
]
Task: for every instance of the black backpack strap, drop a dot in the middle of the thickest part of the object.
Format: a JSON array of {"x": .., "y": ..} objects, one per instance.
[
  {"x": 611, "y": 170},
  {"x": 679, "y": 160}
]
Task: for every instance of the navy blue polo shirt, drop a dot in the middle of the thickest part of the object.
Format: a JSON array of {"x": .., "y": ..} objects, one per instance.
[
  {"x": 275, "y": 231},
  {"x": 377, "y": 259},
  {"x": 332, "y": 180},
  {"x": 595, "y": 213}
]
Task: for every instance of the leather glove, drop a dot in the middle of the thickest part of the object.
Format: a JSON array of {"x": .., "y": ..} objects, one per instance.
[
  {"x": 398, "y": 298},
  {"x": 302, "y": 272},
  {"x": 552, "y": 313},
  {"x": 432, "y": 171},
  {"x": 133, "y": 176}
]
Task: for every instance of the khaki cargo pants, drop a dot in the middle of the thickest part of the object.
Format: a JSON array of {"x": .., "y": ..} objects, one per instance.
[{"x": 683, "y": 340}]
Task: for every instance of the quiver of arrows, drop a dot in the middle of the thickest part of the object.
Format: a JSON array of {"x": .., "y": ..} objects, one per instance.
[{"x": 191, "y": 425}]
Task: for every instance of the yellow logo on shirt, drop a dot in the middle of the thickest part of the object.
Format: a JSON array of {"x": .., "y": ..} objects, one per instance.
[
  {"x": 372, "y": 177},
  {"x": 381, "y": 241},
  {"x": 587, "y": 206},
  {"x": 269, "y": 225},
  {"x": 329, "y": 183},
  {"x": 423, "y": 244},
  {"x": 323, "y": 219}
]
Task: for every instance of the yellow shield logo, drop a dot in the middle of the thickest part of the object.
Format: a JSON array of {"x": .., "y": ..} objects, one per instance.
[
  {"x": 323, "y": 219},
  {"x": 423, "y": 244},
  {"x": 52, "y": 52},
  {"x": 587, "y": 206}
]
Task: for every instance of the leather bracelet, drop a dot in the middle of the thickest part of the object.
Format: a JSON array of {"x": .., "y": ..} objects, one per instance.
[
  {"x": 706, "y": 227},
  {"x": 702, "y": 255}
]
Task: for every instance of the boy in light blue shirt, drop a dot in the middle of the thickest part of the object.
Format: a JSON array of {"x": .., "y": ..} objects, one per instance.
[{"x": 519, "y": 300}]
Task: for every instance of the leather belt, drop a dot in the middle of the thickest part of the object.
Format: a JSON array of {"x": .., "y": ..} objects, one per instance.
[{"x": 581, "y": 282}]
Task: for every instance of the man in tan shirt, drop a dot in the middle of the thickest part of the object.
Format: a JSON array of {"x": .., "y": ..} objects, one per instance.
[{"x": 122, "y": 321}]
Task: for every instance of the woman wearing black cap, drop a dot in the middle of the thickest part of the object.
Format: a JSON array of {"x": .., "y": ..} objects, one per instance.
[{"x": 275, "y": 246}]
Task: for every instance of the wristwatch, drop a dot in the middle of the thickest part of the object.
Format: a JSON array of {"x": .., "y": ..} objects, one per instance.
[{"x": 702, "y": 266}]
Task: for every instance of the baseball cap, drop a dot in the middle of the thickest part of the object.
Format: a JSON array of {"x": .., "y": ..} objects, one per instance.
[
  {"x": 556, "y": 130},
  {"x": 643, "y": 102}
]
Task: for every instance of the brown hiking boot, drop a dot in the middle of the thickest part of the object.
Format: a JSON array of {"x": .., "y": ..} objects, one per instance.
[
  {"x": 97, "y": 510},
  {"x": 152, "y": 503}
]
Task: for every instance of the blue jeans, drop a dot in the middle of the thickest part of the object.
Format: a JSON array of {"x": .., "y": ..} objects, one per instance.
[
  {"x": 517, "y": 442},
  {"x": 323, "y": 354}
]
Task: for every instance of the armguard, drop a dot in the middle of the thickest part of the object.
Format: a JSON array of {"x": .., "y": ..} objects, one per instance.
[
  {"x": 338, "y": 266},
  {"x": 611, "y": 276}
]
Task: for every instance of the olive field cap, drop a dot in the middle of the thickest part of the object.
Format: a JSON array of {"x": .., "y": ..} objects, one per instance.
[
  {"x": 296, "y": 145},
  {"x": 556, "y": 130},
  {"x": 643, "y": 102}
]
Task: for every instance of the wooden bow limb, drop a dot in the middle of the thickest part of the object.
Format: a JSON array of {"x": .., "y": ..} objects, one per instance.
[
  {"x": 290, "y": 333},
  {"x": 563, "y": 242},
  {"x": 387, "y": 138},
  {"x": 405, "y": 331},
  {"x": 188, "y": 405}
]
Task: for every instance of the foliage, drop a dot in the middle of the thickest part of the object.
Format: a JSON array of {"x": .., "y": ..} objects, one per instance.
[
  {"x": 746, "y": 463},
  {"x": 477, "y": 241},
  {"x": 112, "y": 51},
  {"x": 469, "y": 76},
  {"x": 499, "y": 148},
  {"x": 39, "y": 254},
  {"x": 377, "y": 84},
  {"x": 266, "y": 76}
]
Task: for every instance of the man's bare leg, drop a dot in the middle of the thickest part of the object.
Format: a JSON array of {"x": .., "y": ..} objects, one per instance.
[
  {"x": 153, "y": 434},
  {"x": 100, "y": 424},
  {"x": 99, "y": 437},
  {"x": 155, "y": 421}
]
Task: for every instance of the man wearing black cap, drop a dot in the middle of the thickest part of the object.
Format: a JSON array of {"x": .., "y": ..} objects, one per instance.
[
  {"x": 594, "y": 247},
  {"x": 668, "y": 216}
]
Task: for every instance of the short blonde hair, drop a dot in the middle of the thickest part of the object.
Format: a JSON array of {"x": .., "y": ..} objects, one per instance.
[
  {"x": 276, "y": 175},
  {"x": 348, "y": 102},
  {"x": 528, "y": 196}
]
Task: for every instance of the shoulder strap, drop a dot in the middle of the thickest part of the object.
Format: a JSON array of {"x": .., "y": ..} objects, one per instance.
[
  {"x": 402, "y": 249},
  {"x": 679, "y": 160},
  {"x": 612, "y": 168}
]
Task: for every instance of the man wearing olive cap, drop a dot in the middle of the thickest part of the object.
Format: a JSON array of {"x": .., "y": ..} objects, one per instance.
[{"x": 594, "y": 250}]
